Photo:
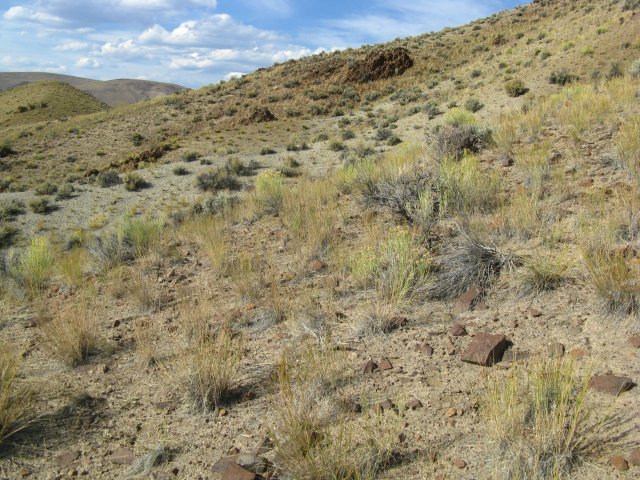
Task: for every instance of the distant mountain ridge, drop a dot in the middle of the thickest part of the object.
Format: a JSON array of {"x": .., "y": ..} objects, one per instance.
[{"x": 112, "y": 92}]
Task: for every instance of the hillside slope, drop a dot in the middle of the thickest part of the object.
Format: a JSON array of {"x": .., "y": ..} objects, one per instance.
[
  {"x": 45, "y": 100},
  {"x": 112, "y": 92}
]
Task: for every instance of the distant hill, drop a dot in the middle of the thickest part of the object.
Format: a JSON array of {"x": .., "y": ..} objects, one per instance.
[
  {"x": 111, "y": 92},
  {"x": 45, "y": 100}
]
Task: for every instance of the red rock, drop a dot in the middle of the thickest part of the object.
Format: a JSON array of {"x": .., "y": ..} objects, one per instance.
[
  {"x": 318, "y": 265},
  {"x": 449, "y": 347},
  {"x": 619, "y": 463},
  {"x": 451, "y": 412},
  {"x": 579, "y": 352},
  {"x": 634, "y": 457},
  {"x": 534, "y": 312},
  {"x": 587, "y": 182},
  {"x": 385, "y": 405},
  {"x": 236, "y": 472},
  {"x": 122, "y": 456},
  {"x": 66, "y": 459},
  {"x": 634, "y": 341},
  {"x": 369, "y": 366},
  {"x": 555, "y": 350},
  {"x": 426, "y": 349},
  {"x": 610, "y": 384},
  {"x": 459, "y": 463},
  {"x": 385, "y": 364},
  {"x": 222, "y": 464},
  {"x": 24, "y": 473},
  {"x": 414, "y": 404},
  {"x": 485, "y": 349},
  {"x": 458, "y": 330},
  {"x": 463, "y": 302}
]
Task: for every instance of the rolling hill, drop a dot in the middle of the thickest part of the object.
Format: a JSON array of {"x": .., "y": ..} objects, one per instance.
[{"x": 112, "y": 92}]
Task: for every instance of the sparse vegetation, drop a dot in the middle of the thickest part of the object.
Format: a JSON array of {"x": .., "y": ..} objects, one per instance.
[
  {"x": 218, "y": 179},
  {"x": 515, "y": 88},
  {"x": 71, "y": 335},
  {"x": 16, "y": 402},
  {"x": 108, "y": 178}
]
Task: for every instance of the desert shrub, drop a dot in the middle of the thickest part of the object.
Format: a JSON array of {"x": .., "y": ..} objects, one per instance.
[
  {"x": 515, "y": 88},
  {"x": 65, "y": 191},
  {"x": 267, "y": 151},
  {"x": 31, "y": 268},
  {"x": 615, "y": 71},
  {"x": 431, "y": 110},
  {"x": 634, "y": 69},
  {"x": 10, "y": 209},
  {"x": 562, "y": 77},
  {"x": 476, "y": 73},
  {"x": 8, "y": 234},
  {"x": 108, "y": 178},
  {"x": 141, "y": 233},
  {"x": 470, "y": 261},
  {"x": 236, "y": 166},
  {"x": 180, "y": 170},
  {"x": 6, "y": 149},
  {"x": 190, "y": 156},
  {"x": 210, "y": 368},
  {"x": 630, "y": 5},
  {"x": 336, "y": 146},
  {"x": 269, "y": 191},
  {"x": 541, "y": 273},
  {"x": 217, "y": 179},
  {"x": 109, "y": 251},
  {"x": 16, "y": 403},
  {"x": 134, "y": 182},
  {"x": 46, "y": 188},
  {"x": 539, "y": 422},
  {"x": 452, "y": 141},
  {"x": 41, "y": 205},
  {"x": 473, "y": 105},
  {"x": 218, "y": 203},
  {"x": 72, "y": 336}
]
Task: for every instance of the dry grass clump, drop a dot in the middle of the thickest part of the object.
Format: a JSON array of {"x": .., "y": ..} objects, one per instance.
[
  {"x": 314, "y": 439},
  {"x": 628, "y": 145},
  {"x": 71, "y": 335},
  {"x": 15, "y": 402},
  {"x": 470, "y": 261},
  {"x": 141, "y": 233},
  {"x": 538, "y": 420},
  {"x": 211, "y": 235},
  {"x": 71, "y": 265},
  {"x": 269, "y": 192},
  {"x": 210, "y": 367},
  {"x": 31, "y": 268},
  {"x": 544, "y": 272},
  {"x": 460, "y": 133}
]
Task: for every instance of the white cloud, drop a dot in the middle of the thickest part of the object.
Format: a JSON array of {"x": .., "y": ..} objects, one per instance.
[
  {"x": 232, "y": 75},
  {"x": 86, "y": 62},
  {"x": 24, "y": 14},
  {"x": 72, "y": 46}
]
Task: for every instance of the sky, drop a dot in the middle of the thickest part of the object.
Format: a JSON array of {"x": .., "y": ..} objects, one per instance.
[{"x": 199, "y": 42}]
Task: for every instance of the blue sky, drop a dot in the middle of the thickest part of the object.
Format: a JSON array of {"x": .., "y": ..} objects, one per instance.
[{"x": 197, "y": 42}]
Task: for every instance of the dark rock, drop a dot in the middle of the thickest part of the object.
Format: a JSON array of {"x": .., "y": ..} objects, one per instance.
[
  {"x": 458, "y": 330},
  {"x": 426, "y": 349},
  {"x": 449, "y": 346},
  {"x": 380, "y": 64},
  {"x": 619, "y": 463},
  {"x": 634, "y": 457},
  {"x": 555, "y": 350},
  {"x": 385, "y": 405},
  {"x": 514, "y": 356},
  {"x": 611, "y": 384},
  {"x": 369, "y": 366},
  {"x": 236, "y": 472},
  {"x": 485, "y": 349},
  {"x": 414, "y": 404},
  {"x": 634, "y": 341},
  {"x": 459, "y": 463},
  {"x": 222, "y": 464},
  {"x": 465, "y": 301}
]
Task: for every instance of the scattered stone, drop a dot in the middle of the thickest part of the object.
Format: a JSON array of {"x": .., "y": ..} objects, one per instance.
[
  {"x": 369, "y": 366},
  {"x": 485, "y": 349},
  {"x": 385, "y": 364},
  {"x": 514, "y": 356},
  {"x": 535, "y": 313},
  {"x": 385, "y": 405},
  {"x": 610, "y": 384},
  {"x": 426, "y": 349},
  {"x": 222, "y": 464},
  {"x": 122, "y": 456},
  {"x": 459, "y": 463},
  {"x": 579, "y": 352},
  {"x": 555, "y": 350},
  {"x": 24, "y": 473},
  {"x": 380, "y": 64},
  {"x": 414, "y": 404},
  {"x": 318, "y": 265},
  {"x": 634, "y": 457},
  {"x": 236, "y": 472},
  {"x": 449, "y": 347},
  {"x": 263, "y": 446},
  {"x": 451, "y": 412},
  {"x": 619, "y": 463},
  {"x": 513, "y": 323},
  {"x": 586, "y": 183},
  {"x": 458, "y": 330},
  {"x": 506, "y": 160},
  {"x": 66, "y": 459},
  {"x": 465, "y": 301},
  {"x": 634, "y": 341},
  {"x": 253, "y": 463},
  {"x": 355, "y": 407}
]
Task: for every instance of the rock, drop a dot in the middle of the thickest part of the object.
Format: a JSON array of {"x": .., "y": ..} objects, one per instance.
[
  {"x": 263, "y": 446},
  {"x": 464, "y": 302},
  {"x": 236, "y": 472},
  {"x": 24, "y": 473},
  {"x": 449, "y": 346},
  {"x": 222, "y": 464},
  {"x": 506, "y": 160},
  {"x": 534, "y": 312},
  {"x": 385, "y": 405},
  {"x": 385, "y": 364},
  {"x": 459, "y": 463},
  {"x": 634, "y": 341},
  {"x": 318, "y": 265},
  {"x": 369, "y": 366},
  {"x": 554, "y": 156},
  {"x": 634, "y": 457},
  {"x": 414, "y": 404},
  {"x": 122, "y": 456},
  {"x": 485, "y": 349},
  {"x": 619, "y": 463},
  {"x": 66, "y": 459},
  {"x": 260, "y": 115},
  {"x": 252, "y": 462},
  {"x": 555, "y": 350},
  {"x": 451, "y": 412},
  {"x": 514, "y": 356},
  {"x": 579, "y": 352},
  {"x": 586, "y": 183},
  {"x": 611, "y": 384},
  {"x": 458, "y": 330},
  {"x": 426, "y": 349},
  {"x": 380, "y": 64}
]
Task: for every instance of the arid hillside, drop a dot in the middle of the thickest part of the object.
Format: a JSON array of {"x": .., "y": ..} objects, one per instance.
[{"x": 411, "y": 260}]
